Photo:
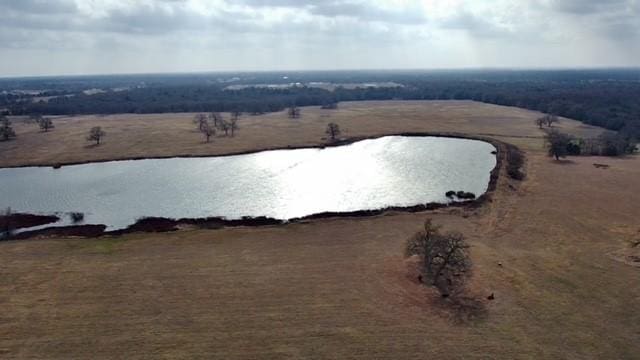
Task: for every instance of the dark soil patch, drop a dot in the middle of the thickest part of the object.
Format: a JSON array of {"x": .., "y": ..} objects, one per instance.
[
  {"x": 88, "y": 231},
  {"x": 20, "y": 221}
]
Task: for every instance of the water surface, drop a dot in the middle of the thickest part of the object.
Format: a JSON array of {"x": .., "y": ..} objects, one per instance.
[{"x": 282, "y": 184}]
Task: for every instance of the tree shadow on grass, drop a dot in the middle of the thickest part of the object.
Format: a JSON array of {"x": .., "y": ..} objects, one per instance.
[{"x": 464, "y": 309}]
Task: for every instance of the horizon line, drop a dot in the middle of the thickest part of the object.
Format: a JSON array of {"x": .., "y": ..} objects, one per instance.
[{"x": 213, "y": 72}]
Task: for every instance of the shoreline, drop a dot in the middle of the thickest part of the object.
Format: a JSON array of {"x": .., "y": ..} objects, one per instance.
[
  {"x": 159, "y": 224},
  {"x": 341, "y": 142}
]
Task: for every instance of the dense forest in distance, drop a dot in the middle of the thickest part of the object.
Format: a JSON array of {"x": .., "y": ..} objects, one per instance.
[{"x": 607, "y": 98}]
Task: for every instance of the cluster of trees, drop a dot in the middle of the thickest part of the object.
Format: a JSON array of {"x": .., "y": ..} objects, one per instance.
[
  {"x": 209, "y": 124},
  {"x": 561, "y": 145},
  {"x": 444, "y": 258},
  {"x": 548, "y": 120},
  {"x": 44, "y": 123}
]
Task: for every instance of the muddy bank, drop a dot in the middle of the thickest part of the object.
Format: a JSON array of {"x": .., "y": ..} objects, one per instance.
[
  {"x": 157, "y": 224},
  {"x": 88, "y": 231},
  {"x": 21, "y": 221}
]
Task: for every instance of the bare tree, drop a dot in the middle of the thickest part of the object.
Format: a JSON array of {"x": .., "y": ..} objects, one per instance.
[
  {"x": 541, "y": 121},
  {"x": 233, "y": 125},
  {"x": 557, "y": 143},
  {"x": 333, "y": 130},
  {"x": 200, "y": 120},
  {"x": 208, "y": 131},
  {"x": 6, "y": 130},
  {"x": 444, "y": 258},
  {"x": 46, "y": 124},
  {"x": 551, "y": 119},
  {"x": 96, "y": 134},
  {"x": 294, "y": 112},
  {"x": 225, "y": 126},
  {"x": 235, "y": 115},
  {"x": 217, "y": 119}
]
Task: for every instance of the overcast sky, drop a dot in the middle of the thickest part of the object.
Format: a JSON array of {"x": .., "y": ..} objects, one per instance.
[{"x": 53, "y": 37}]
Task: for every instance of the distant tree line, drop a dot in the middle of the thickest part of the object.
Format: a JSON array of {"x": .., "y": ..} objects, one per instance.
[
  {"x": 606, "y": 99},
  {"x": 560, "y": 145}
]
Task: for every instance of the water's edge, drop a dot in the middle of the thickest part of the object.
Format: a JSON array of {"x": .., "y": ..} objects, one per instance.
[{"x": 158, "y": 224}]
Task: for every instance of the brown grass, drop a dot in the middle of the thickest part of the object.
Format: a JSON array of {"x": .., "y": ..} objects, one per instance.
[
  {"x": 161, "y": 135},
  {"x": 339, "y": 288}
]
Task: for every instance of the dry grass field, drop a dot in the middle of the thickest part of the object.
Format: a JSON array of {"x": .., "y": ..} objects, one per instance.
[
  {"x": 161, "y": 135},
  {"x": 334, "y": 288}
]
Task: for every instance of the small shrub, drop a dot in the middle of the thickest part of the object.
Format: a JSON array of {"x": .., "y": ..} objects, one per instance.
[
  {"x": 515, "y": 161},
  {"x": 465, "y": 195},
  {"x": 77, "y": 217}
]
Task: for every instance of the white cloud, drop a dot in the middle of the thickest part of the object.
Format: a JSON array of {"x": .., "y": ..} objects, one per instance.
[{"x": 106, "y": 36}]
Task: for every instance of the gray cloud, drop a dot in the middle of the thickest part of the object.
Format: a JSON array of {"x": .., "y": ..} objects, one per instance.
[
  {"x": 475, "y": 25},
  {"x": 365, "y": 11},
  {"x": 585, "y": 7},
  {"x": 38, "y": 6},
  {"x": 187, "y": 35}
]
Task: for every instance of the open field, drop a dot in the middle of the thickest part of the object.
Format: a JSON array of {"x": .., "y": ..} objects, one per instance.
[
  {"x": 161, "y": 135},
  {"x": 334, "y": 288}
]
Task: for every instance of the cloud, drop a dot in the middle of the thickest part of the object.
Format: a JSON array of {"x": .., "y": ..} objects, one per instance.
[
  {"x": 367, "y": 11},
  {"x": 476, "y": 25},
  {"x": 187, "y": 35},
  {"x": 38, "y": 6},
  {"x": 586, "y": 7}
]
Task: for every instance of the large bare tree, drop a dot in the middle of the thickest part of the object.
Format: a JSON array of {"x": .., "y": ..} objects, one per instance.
[{"x": 444, "y": 258}]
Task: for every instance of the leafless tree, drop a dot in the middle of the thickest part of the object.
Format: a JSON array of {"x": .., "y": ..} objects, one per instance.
[
  {"x": 550, "y": 119},
  {"x": 208, "y": 131},
  {"x": 200, "y": 120},
  {"x": 224, "y": 125},
  {"x": 333, "y": 130},
  {"x": 96, "y": 134},
  {"x": 294, "y": 112},
  {"x": 233, "y": 125},
  {"x": 541, "y": 121},
  {"x": 217, "y": 119},
  {"x": 46, "y": 124},
  {"x": 6, "y": 130},
  {"x": 235, "y": 115},
  {"x": 444, "y": 258}
]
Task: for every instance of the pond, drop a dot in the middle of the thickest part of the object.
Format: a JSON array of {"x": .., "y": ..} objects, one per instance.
[{"x": 281, "y": 184}]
